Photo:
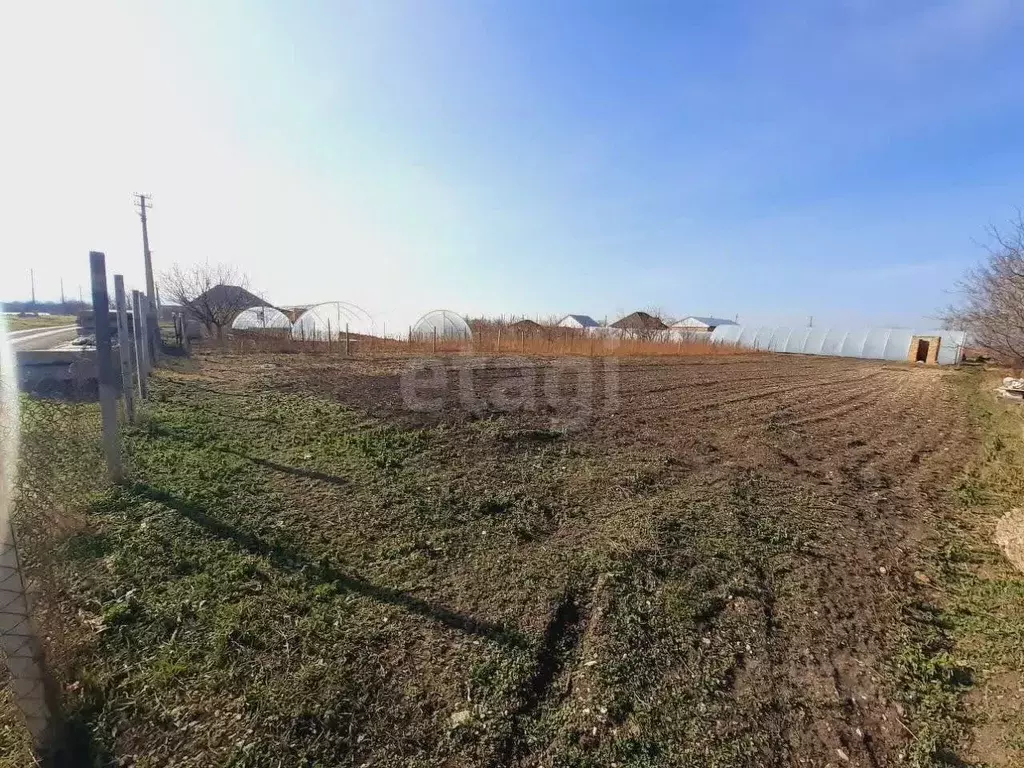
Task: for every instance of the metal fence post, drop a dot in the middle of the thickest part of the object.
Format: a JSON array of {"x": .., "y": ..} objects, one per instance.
[
  {"x": 104, "y": 365},
  {"x": 138, "y": 319},
  {"x": 126, "y": 350}
]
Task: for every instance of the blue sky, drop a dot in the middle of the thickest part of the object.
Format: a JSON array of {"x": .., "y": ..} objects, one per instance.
[{"x": 772, "y": 160}]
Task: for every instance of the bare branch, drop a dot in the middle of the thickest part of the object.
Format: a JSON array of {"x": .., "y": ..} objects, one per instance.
[
  {"x": 991, "y": 297},
  {"x": 210, "y": 294}
]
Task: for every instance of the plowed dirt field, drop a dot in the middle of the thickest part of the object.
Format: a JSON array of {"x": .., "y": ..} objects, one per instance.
[{"x": 700, "y": 562}]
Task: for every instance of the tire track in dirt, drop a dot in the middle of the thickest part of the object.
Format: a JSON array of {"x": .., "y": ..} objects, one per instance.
[
  {"x": 726, "y": 381},
  {"x": 830, "y": 402},
  {"x": 713, "y": 401},
  {"x": 885, "y": 426}
]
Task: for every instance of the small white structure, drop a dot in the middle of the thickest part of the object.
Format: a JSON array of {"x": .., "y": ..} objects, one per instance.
[
  {"x": 331, "y": 320},
  {"x": 261, "y": 319},
  {"x": 695, "y": 324},
  {"x": 580, "y": 322},
  {"x": 444, "y": 323}
]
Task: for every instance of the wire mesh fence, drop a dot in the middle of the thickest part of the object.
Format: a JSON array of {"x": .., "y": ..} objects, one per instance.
[
  {"x": 58, "y": 470},
  {"x": 61, "y": 414}
]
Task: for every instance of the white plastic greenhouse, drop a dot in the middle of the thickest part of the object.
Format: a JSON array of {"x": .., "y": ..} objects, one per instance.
[
  {"x": 262, "y": 319},
  {"x": 943, "y": 347},
  {"x": 446, "y": 324},
  {"x": 330, "y": 320}
]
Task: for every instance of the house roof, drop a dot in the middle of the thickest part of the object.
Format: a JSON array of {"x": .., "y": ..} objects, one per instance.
[
  {"x": 231, "y": 296},
  {"x": 693, "y": 320},
  {"x": 526, "y": 323},
  {"x": 584, "y": 320},
  {"x": 640, "y": 321}
]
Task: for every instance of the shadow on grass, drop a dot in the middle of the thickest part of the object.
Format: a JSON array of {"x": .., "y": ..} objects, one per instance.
[
  {"x": 246, "y": 393},
  {"x": 75, "y": 744},
  {"x": 322, "y": 572},
  {"x": 244, "y": 417},
  {"x": 170, "y": 349},
  {"x": 311, "y": 474}
]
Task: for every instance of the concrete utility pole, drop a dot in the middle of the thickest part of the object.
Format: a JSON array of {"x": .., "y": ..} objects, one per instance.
[
  {"x": 125, "y": 349},
  {"x": 138, "y": 327},
  {"x": 144, "y": 203},
  {"x": 105, "y": 365},
  {"x": 32, "y": 279},
  {"x": 63, "y": 305}
]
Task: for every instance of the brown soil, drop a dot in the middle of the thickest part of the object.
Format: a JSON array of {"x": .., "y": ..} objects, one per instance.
[
  {"x": 706, "y": 559},
  {"x": 853, "y": 454}
]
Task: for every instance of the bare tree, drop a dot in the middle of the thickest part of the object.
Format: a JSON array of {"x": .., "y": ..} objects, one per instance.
[
  {"x": 657, "y": 313},
  {"x": 991, "y": 298},
  {"x": 211, "y": 294}
]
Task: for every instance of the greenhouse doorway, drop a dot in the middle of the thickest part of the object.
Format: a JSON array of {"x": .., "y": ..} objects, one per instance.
[
  {"x": 924, "y": 349},
  {"x": 921, "y": 355}
]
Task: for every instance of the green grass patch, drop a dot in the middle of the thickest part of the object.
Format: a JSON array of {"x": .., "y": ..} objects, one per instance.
[
  {"x": 286, "y": 580},
  {"x": 41, "y": 321},
  {"x": 968, "y": 628}
]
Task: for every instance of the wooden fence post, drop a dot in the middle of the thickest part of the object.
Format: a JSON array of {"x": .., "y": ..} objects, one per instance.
[
  {"x": 347, "y": 341},
  {"x": 126, "y": 350},
  {"x": 328, "y": 334},
  {"x": 139, "y": 324},
  {"x": 104, "y": 364},
  {"x": 434, "y": 348},
  {"x": 497, "y": 349}
]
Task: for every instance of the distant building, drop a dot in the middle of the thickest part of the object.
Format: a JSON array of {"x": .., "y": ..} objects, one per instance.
[
  {"x": 233, "y": 297},
  {"x": 942, "y": 347},
  {"x": 578, "y": 321},
  {"x": 696, "y": 324},
  {"x": 216, "y": 307},
  {"x": 639, "y": 321},
  {"x": 526, "y": 326}
]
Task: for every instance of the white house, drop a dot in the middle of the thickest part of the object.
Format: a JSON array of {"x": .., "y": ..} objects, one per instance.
[
  {"x": 584, "y": 322},
  {"x": 699, "y": 324}
]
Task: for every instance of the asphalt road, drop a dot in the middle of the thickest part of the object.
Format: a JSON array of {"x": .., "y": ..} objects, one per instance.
[{"x": 42, "y": 338}]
